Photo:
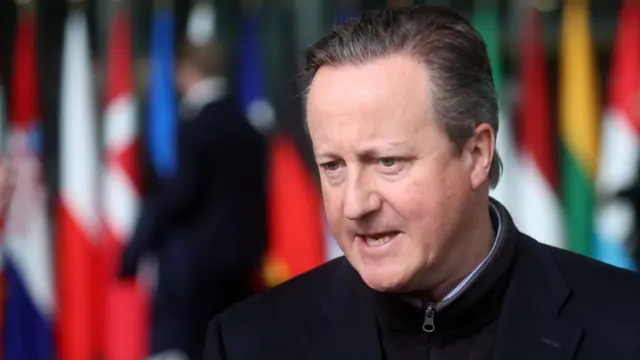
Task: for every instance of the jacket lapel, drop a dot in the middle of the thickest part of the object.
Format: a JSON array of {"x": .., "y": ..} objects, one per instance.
[
  {"x": 530, "y": 327},
  {"x": 349, "y": 330}
]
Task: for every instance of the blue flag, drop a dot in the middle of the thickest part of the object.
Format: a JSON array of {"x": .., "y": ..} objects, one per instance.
[
  {"x": 162, "y": 123},
  {"x": 345, "y": 14},
  {"x": 250, "y": 76}
]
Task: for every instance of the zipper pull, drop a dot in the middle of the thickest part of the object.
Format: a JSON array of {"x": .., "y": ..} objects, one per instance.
[{"x": 429, "y": 316}]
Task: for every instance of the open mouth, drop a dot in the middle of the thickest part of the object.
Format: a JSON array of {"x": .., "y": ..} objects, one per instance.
[{"x": 379, "y": 239}]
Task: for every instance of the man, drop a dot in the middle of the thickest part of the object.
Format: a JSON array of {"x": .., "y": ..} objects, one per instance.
[
  {"x": 402, "y": 114},
  {"x": 207, "y": 224}
]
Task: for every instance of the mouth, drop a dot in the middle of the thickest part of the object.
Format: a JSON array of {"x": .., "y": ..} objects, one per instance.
[{"x": 378, "y": 239}]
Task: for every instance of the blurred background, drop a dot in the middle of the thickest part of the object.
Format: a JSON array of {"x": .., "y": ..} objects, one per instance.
[{"x": 91, "y": 111}]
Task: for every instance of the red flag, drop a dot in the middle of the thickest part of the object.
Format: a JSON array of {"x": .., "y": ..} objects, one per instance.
[
  {"x": 126, "y": 307},
  {"x": 620, "y": 142},
  {"x": 624, "y": 77},
  {"x": 539, "y": 210},
  {"x": 295, "y": 220},
  {"x": 537, "y": 127},
  {"x": 79, "y": 255}
]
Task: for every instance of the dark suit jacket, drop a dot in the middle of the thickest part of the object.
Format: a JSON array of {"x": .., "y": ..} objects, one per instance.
[
  {"x": 557, "y": 306},
  {"x": 217, "y": 198},
  {"x": 207, "y": 225}
]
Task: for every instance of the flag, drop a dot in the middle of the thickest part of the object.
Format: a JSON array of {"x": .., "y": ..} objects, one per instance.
[
  {"x": 578, "y": 125},
  {"x": 3, "y": 146},
  {"x": 257, "y": 108},
  {"x": 3, "y": 121},
  {"x": 347, "y": 11},
  {"x": 296, "y": 229},
  {"x": 620, "y": 141},
  {"x": 486, "y": 22},
  {"x": 77, "y": 251},
  {"x": 538, "y": 200},
  {"x": 3, "y": 143},
  {"x": 294, "y": 212},
  {"x": 162, "y": 125},
  {"x": 29, "y": 306},
  {"x": 127, "y": 302}
]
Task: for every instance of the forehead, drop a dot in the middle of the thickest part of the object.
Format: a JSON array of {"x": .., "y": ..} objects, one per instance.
[
  {"x": 382, "y": 96},
  {"x": 383, "y": 76}
]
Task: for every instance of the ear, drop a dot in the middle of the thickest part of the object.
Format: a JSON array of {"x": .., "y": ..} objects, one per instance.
[{"x": 480, "y": 147}]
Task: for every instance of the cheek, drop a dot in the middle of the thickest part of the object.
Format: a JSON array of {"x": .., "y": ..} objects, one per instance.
[
  {"x": 428, "y": 190},
  {"x": 426, "y": 200},
  {"x": 332, "y": 202}
]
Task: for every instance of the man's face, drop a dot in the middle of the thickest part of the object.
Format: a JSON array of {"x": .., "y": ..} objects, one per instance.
[
  {"x": 394, "y": 187},
  {"x": 186, "y": 76}
]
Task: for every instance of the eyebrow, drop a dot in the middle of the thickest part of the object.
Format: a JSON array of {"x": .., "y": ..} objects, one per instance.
[{"x": 373, "y": 151}]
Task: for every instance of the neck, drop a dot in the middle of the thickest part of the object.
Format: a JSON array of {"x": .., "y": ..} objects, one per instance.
[
  {"x": 203, "y": 91},
  {"x": 473, "y": 245}
]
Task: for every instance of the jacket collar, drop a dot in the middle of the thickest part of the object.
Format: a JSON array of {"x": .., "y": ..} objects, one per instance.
[
  {"x": 348, "y": 329},
  {"x": 458, "y": 314},
  {"x": 529, "y": 324}
]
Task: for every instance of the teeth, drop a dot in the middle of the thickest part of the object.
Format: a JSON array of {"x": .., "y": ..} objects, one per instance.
[{"x": 371, "y": 241}]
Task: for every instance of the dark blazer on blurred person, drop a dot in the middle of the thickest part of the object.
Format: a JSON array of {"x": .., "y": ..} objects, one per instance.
[{"x": 206, "y": 225}]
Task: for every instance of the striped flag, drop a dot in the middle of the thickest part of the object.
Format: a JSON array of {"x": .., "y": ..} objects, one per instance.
[
  {"x": 538, "y": 201},
  {"x": 486, "y": 22},
  {"x": 294, "y": 211},
  {"x": 77, "y": 253},
  {"x": 29, "y": 306},
  {"x": 162, "y": 125},
  {"x": 126, "y": 321},
  {"x": 620, "y": 151},
  {"x": 578, "y": 125}
]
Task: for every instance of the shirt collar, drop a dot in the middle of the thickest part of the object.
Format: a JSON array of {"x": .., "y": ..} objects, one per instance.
[
  {"x": 457, "y": 290},
  {"x": 481, "y": 288}
]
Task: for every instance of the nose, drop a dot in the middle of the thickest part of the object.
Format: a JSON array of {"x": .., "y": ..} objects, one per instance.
[{"x": 360, "y": 199}]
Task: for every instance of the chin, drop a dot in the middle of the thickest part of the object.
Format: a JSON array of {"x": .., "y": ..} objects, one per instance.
[{"x": 393, "y": 280}]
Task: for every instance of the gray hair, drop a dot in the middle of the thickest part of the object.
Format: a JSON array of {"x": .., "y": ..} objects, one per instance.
[{"x": 463, "y": 93}]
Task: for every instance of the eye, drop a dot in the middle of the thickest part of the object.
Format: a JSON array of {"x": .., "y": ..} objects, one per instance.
[
  {"x": 391, "y": 165},
  {"x": 388, "y": 162},
  {"x": 330, "y": 166},
  {"x": 332, "y": 169}
]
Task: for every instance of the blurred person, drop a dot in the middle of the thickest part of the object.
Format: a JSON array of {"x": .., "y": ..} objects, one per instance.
[
  {"x": 402, "y": 113},
  {"x": 206, "y": 225}
]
